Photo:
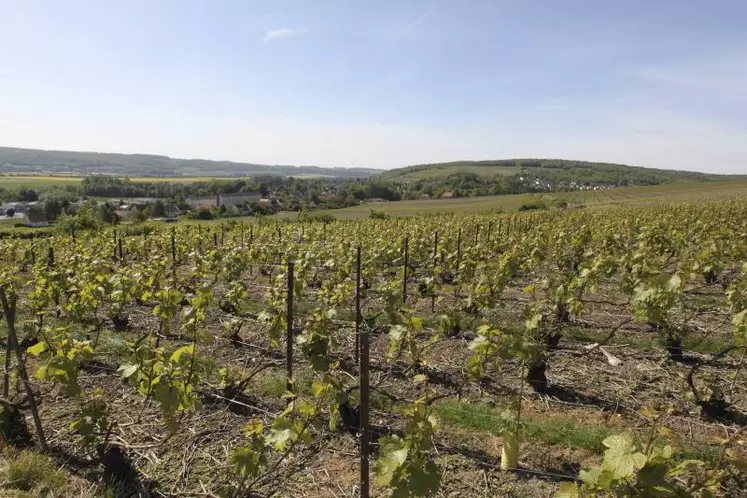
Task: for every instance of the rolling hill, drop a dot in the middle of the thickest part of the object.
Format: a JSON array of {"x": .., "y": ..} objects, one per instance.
[
  {"x": 57, "y": 161},
  {"x": 551, "y": 170}
]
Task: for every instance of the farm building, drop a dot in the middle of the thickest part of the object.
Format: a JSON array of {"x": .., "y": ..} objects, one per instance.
[
  {"x": 224, "y": 199},
  {"x": 35, "y": 218}
]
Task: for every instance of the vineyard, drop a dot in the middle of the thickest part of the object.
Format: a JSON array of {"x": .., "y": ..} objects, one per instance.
[{"x": 555, "y": 353}]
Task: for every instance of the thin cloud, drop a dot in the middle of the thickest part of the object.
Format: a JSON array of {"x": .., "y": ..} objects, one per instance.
[
  {"x": 409, "y": 28},
  {"x": 282, "y": 33},
  {"x": 721, "y": 76},
  {"x": 420, "y": 19}
]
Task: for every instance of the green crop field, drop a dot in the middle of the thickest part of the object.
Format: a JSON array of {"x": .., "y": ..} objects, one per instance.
[
  {"x": 37, "y": 181},
  {"x": 176, "y": 179},
  {"x": 555, "y": 343},
  {"x": 40, "y": 181},
  {"x": 628, "y": 195}
]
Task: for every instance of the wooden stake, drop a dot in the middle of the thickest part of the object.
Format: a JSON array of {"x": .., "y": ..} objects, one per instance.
[
  {"x": 357, "y": 305},
  {"x": 363, "y": 381},
  {"x": 173, "y": 256},
  {"x": 289, "y": 325},
  {"x": 9, "y": 308},
  {"x": 404, "y": 272},
  {"x": 458, "y": 261},
  {"x": 433, "y": 273}
]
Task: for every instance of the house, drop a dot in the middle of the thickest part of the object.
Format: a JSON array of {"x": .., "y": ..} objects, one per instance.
[
  {"x": 447, "y": 195},
  {"x": 238, "y": 198},
  {"x": 203, "y": 202},
  {"x": 124, "y": 214},
  {"x": 172, "y": 210},
  {"x": 218, "y": 200},
  {"x": 35, "y": 218},
  {"x": 264, "y": 203},
  {"x": 73, "y": 208},
  {"x": 425, "y": 197}
]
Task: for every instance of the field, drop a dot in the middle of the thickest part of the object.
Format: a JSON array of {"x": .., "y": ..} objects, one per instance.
[
  {"x": 37, "y": 181},
  {"x": 9, "y": 226},
  {"x": 40, "y": 181},
  {"x": 678, "y": 192},
  {"x": 443, "y": 171},
  {"x": 550, "y": 169},
  {"x": 537, "y": 354}
]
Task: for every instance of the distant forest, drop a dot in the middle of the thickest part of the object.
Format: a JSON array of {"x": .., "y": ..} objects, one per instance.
[
  {"x": 455, "y": 179},
  {"x": 514, "y": 176},
  {"x": 55, "y": 161}
]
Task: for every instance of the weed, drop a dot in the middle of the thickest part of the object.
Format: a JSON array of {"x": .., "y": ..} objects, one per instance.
[
  {"x": 27, "y": 470},
  {"x": 273, "y": 384},
  {"x": 561, "y": 432}
]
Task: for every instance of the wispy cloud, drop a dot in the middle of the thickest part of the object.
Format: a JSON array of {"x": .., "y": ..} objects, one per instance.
[
  {"x": 282, "y": 33},
  {"x": 721, "y": 76},
  {"x": 410, "y": 27},
  {"x": 420, "y": 19}
]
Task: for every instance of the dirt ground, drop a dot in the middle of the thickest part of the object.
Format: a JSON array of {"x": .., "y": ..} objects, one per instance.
[{"x": 589, "y": 397}]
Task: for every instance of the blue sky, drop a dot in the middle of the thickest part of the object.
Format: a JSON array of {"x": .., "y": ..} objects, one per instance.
[{"x": 388, "y": 83}]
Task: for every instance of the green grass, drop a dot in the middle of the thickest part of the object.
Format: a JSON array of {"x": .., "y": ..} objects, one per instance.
[
  {"x": 694, "y": 342},
  {"x": 112, "y": 344},
  {"x": 9, "y": 226},
  {"x": 556, "y": 431},
  {"x": 273, "y": 383},
  {"x": 582, "y": 334},
  {"x": 562, "y": 432},
  {"x": 27, "y": 471},
  {"x": 376, "y": 400}
]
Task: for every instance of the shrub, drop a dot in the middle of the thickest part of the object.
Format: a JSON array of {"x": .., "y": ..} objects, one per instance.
[
  {"x": 203, "y": 214},
  {"x": 532, "y": 206},
  {"x": 324, "y": 218},
  {"x": 378, "y": 215}
]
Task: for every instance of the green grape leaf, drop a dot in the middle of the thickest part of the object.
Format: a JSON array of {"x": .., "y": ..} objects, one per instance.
[
  {"x": 176, "y": 355},
  {"x": 567, "y": 490},
  {"x": 621, "y": 459},
  {"x": 127, "y": 371},
  {"x": 424, "y": 481},
  {"x": 281, "y": 434},
  {"x": 37, "y": 349},
  {"x": 392, "y": 455}
]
